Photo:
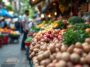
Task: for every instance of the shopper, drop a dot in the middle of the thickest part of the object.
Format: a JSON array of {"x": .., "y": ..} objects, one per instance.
[
  {"x": 25, "y": 28},
  {"x": 2, "y": 23}
]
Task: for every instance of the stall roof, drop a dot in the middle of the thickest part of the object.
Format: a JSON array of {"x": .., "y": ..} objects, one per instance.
[{"x": 5, "y": 13}]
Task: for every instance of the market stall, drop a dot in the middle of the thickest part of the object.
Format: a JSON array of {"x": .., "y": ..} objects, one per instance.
[
  {"x": 8, "y": 35},
  {"x": 61, "y": 43},
  {"x": 8, "y": 31}
]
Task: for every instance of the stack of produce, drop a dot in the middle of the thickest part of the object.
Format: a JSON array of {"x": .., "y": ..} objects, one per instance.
[
  {"x": 9, "y": 31},
  {"x": 5, "y": 30},
  {"x": 62, "y": 48},
  {"x": 43, "y": 40},
  {"x": 56, "y": 54},
  {"x": 15, "y": 33},
  {"x": 48, "y": 25}
]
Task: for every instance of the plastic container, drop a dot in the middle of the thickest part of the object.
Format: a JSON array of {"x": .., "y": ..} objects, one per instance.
[
  {"x": 5, "y": 39},
  {"x": 27, "y": 44},
  {"x": 0, "y": 42}
]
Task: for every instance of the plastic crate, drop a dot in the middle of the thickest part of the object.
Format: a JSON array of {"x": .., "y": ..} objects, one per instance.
[
  {"x": 5, "y": 39},
  {"x": 27, "y": 44},
  {"x": 1, "y": 42}
]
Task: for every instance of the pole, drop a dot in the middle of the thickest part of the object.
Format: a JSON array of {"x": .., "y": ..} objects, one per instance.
[{"x": 87, "y": 5}]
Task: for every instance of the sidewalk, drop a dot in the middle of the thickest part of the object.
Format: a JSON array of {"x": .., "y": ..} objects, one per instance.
[{"x": 12, "y": 56}]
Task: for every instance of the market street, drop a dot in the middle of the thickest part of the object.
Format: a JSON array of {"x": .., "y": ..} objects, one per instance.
[{"x": 12, "y": 56}]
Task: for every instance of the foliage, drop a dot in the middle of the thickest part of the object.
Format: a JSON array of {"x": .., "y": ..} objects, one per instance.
[
  {"x": 29, "y": 39},
  {"x": 9, "y": 7},
  {"x": 61, "y": 24},
  {"x": 34, "y": 29},
  {"x": 75, "y": 19},
  {"x": 81, "y": 26},
  {"x": 71, "y": 36}
]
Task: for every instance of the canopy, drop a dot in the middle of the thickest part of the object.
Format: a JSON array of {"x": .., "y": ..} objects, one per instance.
[{"x": 5, "y": 13}]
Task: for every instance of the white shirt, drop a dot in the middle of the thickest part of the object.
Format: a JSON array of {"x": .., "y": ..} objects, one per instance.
[{"x": 25, "y": 22}]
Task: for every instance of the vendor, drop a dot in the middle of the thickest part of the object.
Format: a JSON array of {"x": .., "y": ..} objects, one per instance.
[{"x": 2, "y": 23}]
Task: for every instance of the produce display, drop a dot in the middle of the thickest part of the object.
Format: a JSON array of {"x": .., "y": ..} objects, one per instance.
[
  {"x": 9, "y": 31},
  {"x": 75, "y": 19},
  {"x": 66, "y": 46},
  {"x": 5, "y": 30},
  {"x": 34, "y": 29},
  {"x": 7, "y": 35},
  {"x": 48, "y": 24},
  {"x": 72, "y": 36}
]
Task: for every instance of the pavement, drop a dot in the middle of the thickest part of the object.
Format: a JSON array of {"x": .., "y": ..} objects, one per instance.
[{"x": 12, "y": 56}]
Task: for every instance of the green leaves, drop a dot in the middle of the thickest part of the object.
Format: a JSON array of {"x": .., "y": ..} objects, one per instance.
[
  {"x": 61, "y": 24},
  {"x": 29, "y": 39},
  {"x": 75, "y": 19},
  {"x": 34, "y": 29},
  {"x": 81, "y": 26},
  {"x": 71, "y": 36},
  {"x": 10, "y": 8}
]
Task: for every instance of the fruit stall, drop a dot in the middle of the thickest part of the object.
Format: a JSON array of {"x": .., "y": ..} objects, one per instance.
[
  {"x": 60, "y": 43},
  {"x": 6, "y": 35}
]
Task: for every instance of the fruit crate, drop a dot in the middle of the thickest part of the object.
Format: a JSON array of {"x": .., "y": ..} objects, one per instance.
[
  {"x": 1, "y": 42},
  {"x": 5, "y": 38},
  {"x": 27, "y": 44}
]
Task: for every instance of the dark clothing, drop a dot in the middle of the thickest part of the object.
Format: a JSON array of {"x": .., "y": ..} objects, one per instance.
[
  {"x": 23, "y": 41},
  {"x": 17, "y": 26},
  {"x": 3, "y": 24}
]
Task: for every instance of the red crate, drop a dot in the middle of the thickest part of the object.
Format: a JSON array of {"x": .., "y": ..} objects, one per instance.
[
  {"x": 5, "y": 40},
  {"x": 27, "y": 44},
  {"x": 0, "y": 42}
]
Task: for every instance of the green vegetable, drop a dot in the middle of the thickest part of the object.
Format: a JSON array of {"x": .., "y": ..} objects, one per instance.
[
  {"x": 72, "y": 36},
  {"x": 75, "y": 19},
  {"x": 34, "y": 29},
  {"x": 81, "y": 26},
  {"x": 1, "y": 35},
  {"x": 29, "y": 39},
  {"x": 61, "y": 24}
]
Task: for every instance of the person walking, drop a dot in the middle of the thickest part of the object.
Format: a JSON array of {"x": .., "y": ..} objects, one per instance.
[{"x": 25, "y": 28}]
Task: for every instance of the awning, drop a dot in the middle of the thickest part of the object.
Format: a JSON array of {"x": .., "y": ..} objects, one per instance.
[{"x": 5, "y": 13}]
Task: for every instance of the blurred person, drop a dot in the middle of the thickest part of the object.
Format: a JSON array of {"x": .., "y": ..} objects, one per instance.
[
  {"x": 17, "y": 24},
  {"x": 7, "y": 21},
  {"x": 20, "y": 20},
  {"x": 2, "y": 23},
  {"x": 25, "y": 28}
]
